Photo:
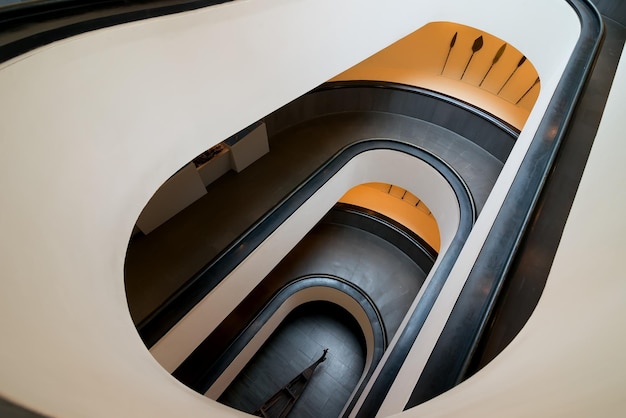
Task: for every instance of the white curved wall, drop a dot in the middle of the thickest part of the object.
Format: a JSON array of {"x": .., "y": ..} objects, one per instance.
[
  {"x": 385, "y": 166},
  {"x": 92, "y": 125},
  {"x": 310, "y": 294}
]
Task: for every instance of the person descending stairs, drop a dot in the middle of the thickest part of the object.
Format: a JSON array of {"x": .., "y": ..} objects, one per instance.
[{"x": 281, "y": 403}]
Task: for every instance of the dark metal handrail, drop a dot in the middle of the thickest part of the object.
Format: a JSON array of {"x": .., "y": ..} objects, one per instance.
[
  {"x": 461, "y": 104},
  {"x": 449, "y": 362},
  {"x": 199, "y": 372},
  {"x": 26, "y": 26}
]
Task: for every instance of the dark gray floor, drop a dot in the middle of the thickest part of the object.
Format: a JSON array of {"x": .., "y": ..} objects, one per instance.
[
  {"x": 389, "y": 277},
  {"x": 159, "y": 263},
  {"x": 295, "y": 346},
  {"x": 383, "y": 272}
]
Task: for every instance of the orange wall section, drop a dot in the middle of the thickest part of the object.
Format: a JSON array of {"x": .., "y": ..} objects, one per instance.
[
  {"x": 421, "y": 59},
  {"x": 416, "y": 219}
]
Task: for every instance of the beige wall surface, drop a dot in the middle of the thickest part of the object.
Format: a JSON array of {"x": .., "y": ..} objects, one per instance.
[{"x": 91, "y": 126}]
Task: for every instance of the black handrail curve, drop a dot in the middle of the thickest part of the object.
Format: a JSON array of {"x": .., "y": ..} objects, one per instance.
[
  {"x": 26, "y": 26},
  {"x": 390, "y": 85},
  {"x": 176, "y": 307},
  {"x": 447, "y": 367},
  {"x": 199, "y": 374},
  {"x": 489, "y": 132}
]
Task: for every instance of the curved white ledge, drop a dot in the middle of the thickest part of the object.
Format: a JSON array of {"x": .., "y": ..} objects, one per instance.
[
  {"x": 92, "y": 125},
  {"x": 310, "y": 294}
]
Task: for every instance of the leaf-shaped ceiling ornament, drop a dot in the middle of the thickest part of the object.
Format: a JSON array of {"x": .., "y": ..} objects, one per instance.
[
  {"x": 478, "y": 44},
  {"x": 528, "y": 91},
  {"x": 452, "y": 42},
  {"x": 519, "y": 64},
  {"x": 495, "y": 60}
]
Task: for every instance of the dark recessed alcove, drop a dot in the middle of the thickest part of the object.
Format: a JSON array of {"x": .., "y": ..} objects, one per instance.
[{"x": 294, "y": 346}]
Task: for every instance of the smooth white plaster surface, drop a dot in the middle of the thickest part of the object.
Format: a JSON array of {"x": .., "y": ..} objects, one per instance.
[{"x": 91, "y": 126}]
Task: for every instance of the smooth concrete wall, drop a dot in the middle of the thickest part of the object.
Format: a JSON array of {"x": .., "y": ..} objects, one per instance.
[{"x": 91, "y": 126}]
